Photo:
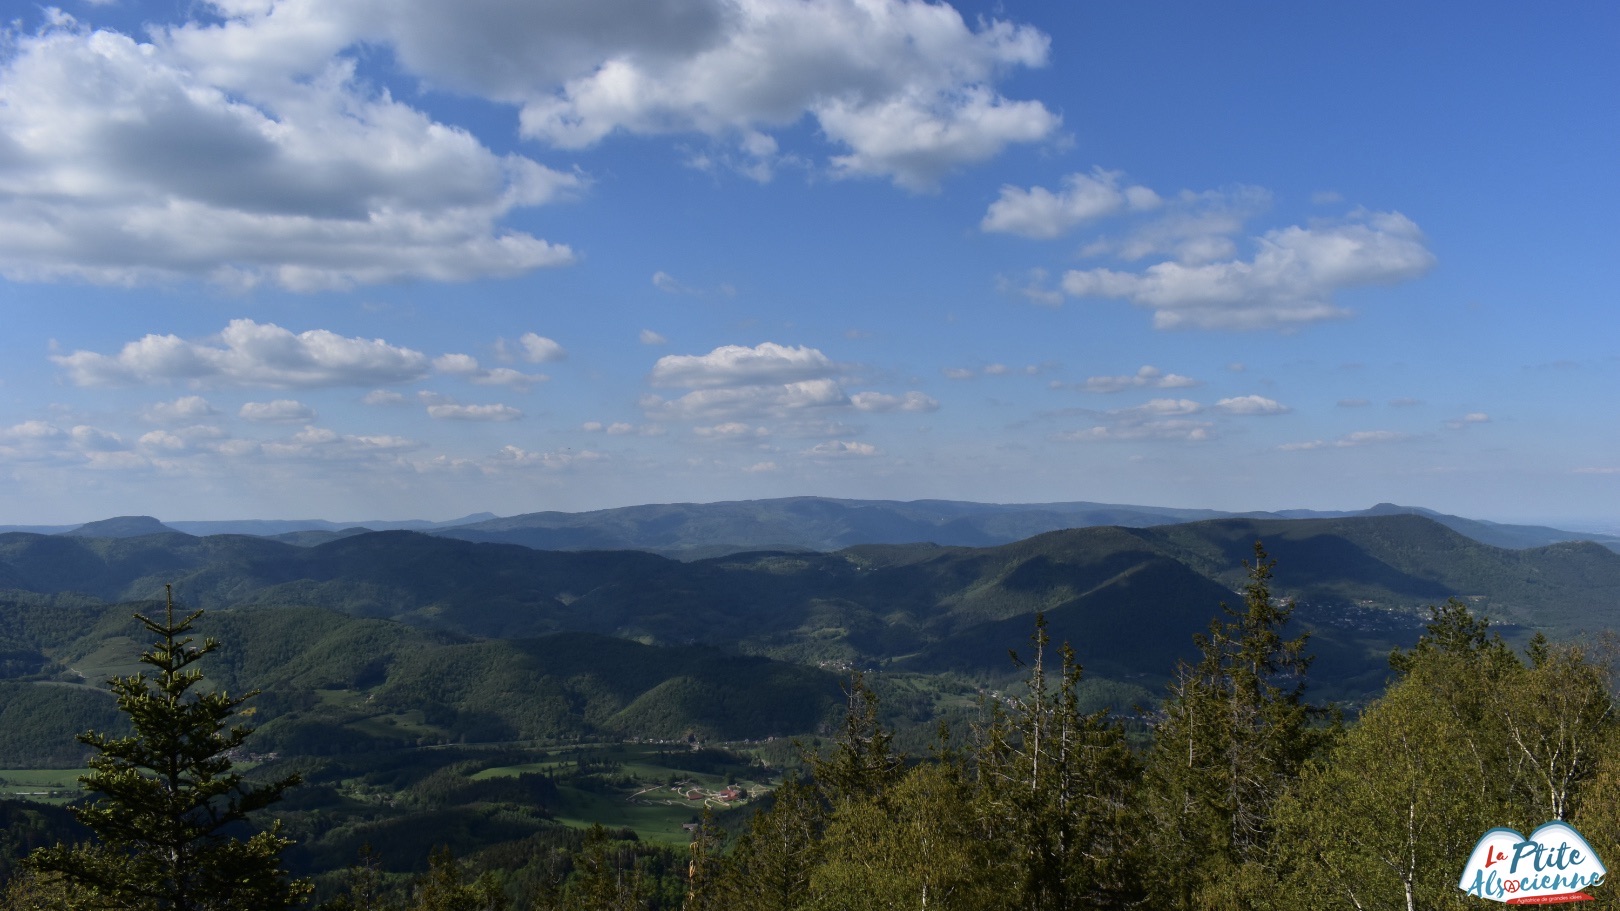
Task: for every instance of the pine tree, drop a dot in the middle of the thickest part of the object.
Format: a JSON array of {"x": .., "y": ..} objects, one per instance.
[
  {"x": 1054, "y": 786},
  {"x": 168, "y": 806},
  {"x": 445, "y": 887},
  {"x": 1233, "y": 733},
  {"x": 863, "y": 763}
]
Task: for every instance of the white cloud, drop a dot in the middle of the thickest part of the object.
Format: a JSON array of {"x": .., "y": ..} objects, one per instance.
[
  {"x": 1190, "y": 227},
  {"x": 1174, "y": 430},
  {"x": 537, "y": 349},
  {"x": 250, "y": 354},
  {"x": 1146, "y": 376},
  {"x": 456, "y": 364},
  {"x": 1292, "y": 280},
  {"x": 278, "y": 411},
  {"x": 761, "y": 467},
  {"x": 735, "y": 365},
  {"x": 843, "y": 449},
  {"x": 161, "y": 441},
  {"x": 506, "y": 376},
  {"x": 1369, "y": 438},
  {"x": 383, "y": 397},
  {"x": 958, "y": 373},
  {"x": 467, "y": 367},
  {"x": 649, "y": 337},
  {"x": 1040, "y": 213},
  {"x": 325, "y": 445},
  {"x": 749, "y": 402},
  {"x": 667, "y": 283},
  {"x": 731, "y": 430},
  {"x": 93, "y": 439},
  {"x": 130, "y": 163},
  {"x": 1305, "y": 446},
  {"x": 1251, "y": 404},
  {"x": 451, "y": 412},
  {"x": 517, "y": 457},
  {"x": 882, "y": 402},
  {"x": 1353, "y": 403},
  {"x": 1034, "y": 288},
  {"x": 904, "y": 87},
  {"x": 1473, "y": 417},
  {"x": 34, "y": 430},
  {"x": 1160, "y": 407},
  {"x": 185, "y": 408}
]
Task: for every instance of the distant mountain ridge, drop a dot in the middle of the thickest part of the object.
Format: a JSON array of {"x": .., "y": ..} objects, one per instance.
[
  {"x": 1129, "y": 598},
  {"x": 700, "y": 530}
]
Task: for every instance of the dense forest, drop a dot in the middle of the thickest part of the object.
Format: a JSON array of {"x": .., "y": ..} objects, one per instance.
[{"x": 1234, "y": 792}]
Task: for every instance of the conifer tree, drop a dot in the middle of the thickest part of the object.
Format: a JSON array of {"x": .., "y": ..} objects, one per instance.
[
  {"x": 1054, "y": 786},
  {"x": 1233, "y": 733},
  {"x": 168, "y": 806}
]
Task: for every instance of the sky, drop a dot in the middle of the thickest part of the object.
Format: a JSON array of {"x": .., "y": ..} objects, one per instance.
[{"x": 389, "y": 259}]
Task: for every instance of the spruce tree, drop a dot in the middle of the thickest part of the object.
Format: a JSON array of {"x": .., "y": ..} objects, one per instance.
[
  {"x": 1233, "y": 733},
  {"x": 1053, "y": 785},
  {"x": 168, "y": 809}
]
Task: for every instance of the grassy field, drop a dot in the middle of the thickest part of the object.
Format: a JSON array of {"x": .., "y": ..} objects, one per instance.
[
  {"x": 642, "y": 787},
  {"x": 56, "y": 786}
]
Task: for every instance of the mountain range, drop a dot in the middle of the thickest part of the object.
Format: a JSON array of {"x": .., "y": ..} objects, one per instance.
[{"x": 698, "y": 530}]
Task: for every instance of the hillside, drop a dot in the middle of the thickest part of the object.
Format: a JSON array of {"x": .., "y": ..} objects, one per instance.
[
  {"x": 693, "y": 531},
  {"x": 1130, "y": 598}
]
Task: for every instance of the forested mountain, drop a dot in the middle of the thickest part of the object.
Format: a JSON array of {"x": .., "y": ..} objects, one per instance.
[
  {"x": 697, "y": 530},
  {"x": 434, "y": 690}
]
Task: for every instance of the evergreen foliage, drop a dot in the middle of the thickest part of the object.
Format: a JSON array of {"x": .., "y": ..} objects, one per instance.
[
  {"x": 1232, "y": 735},
  {"x": 168, "y": 807}
]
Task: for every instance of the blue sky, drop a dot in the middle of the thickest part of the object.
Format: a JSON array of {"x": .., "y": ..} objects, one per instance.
[{"x": 360, "y": 259}]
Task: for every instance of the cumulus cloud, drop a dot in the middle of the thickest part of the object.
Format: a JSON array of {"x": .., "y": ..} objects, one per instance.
[
  {"x": 1155, "y": 419},
  {"x": 320, "y": 443},
  {"x": 1304, "y": 446},
  {"x": 904, "y": 89},
  {"x": 1251, "y": 404},
  {"x": 1473, "y": 417},
  {"x": 517, "y": 457},
  {"x": 250, "y": 354},
  {"x": 1147, "y": 376},
  {"x": 735, "y": 365},
  {"x": 131, "y": 163},
  {"x": 1369, "y": 438},
  {"x": 94, "y": 439},
  {"x": 1189, "y": 227},
  {"x": 843, "y": 449},
  {"x": 454, "y": 412},
  {"x": 278, "y": 411},
  {"x": 34, "y": 430},
  {"x": 1040, "y": 213},
  {"x": 384, "y": 397},
  {"x": 775, "y": 388},
  {"x": 1174, "y": 430},
  {"x": 649, "y": 337},
  {"x": 185, "y": 408},
  {"x": 882, "y": 402},
  {"x": 467, "y": 367},
  {"x": 1292, "y": 279},
  {"x": 537, "y": 349},
  {"x": 761, "y": 467}
]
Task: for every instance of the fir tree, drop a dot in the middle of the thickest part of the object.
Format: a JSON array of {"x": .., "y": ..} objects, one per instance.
[
  {"x": 167, "y": 805},
  {"x": 1233, "y": 733}
]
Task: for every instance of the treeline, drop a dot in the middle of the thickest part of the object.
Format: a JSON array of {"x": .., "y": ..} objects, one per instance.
[
  {"x": 1247, "y": 798},
  {"x": 1242, "y": 796}
]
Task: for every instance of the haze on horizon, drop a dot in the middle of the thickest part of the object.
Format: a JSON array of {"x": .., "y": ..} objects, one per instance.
[{"x": 286, "y": 260}]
